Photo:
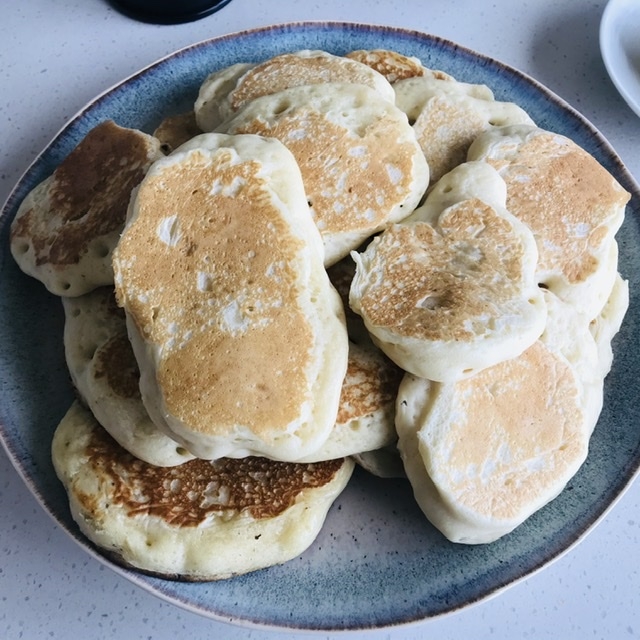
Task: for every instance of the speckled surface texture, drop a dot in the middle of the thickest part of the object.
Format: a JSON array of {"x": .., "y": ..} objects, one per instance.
[{"x": 366, "y": 569}]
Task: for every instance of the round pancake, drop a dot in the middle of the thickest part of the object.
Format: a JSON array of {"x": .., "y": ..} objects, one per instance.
[
  {"x": 105, "y": 374},
  {"x": 448, "y": 115},
  {"x": 360, "y": 162},
  {"x": 299, "y": 68},
  {"x": 199, "y": 521},
  {"x": 486, "y": 452},
  {"x": 239, "y": 335},
  {"x": 451, "y": 290},
  {"x": 572, "y": 204},
  {"x": 66, "y": 228}
]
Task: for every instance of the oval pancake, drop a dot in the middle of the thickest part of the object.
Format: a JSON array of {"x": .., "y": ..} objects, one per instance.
[
  {"x": 105, "y": 374},
  {"x": 360, "y": 162},
  {"x": 571, "y": 203},
  {"x": 485, "y": 453},
  {"x": 451, "y": 290},
  {"x": 66, "y": 228},
  {"x": 447, "y": 116},
  {"x": 392, "y": 65},
  {"x": 298, "y": 68},
  {"x": 203, "y": 520},
  {"x": 238, "y": 332}
]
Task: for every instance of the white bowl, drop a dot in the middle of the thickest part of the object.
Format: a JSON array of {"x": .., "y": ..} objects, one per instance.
[{"x": 620, "y": 48}]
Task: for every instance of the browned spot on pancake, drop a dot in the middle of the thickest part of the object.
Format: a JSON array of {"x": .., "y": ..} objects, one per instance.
[
  {"x": 567, "y": 199},
  {"x": 446, "y": 282},
  {"x": 221, "y": 298},
  {"x": 89, "y": 194},
  {"x": 175, "y": 130},
  {"x": 392, "y": 65},
  {"x": 371, "y": 384},
  {"x": 115, "y": 360},
  {"x": 352, "y": 180},
  {"x": 187, "y": 495},
  {"x": 291, "y": 70}
]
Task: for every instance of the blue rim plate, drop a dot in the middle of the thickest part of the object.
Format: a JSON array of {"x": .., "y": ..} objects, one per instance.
[{"x": 377, "y": 562}]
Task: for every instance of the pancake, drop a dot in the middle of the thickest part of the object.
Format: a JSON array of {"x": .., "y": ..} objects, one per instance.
[
  {"x": 572, "y": 204},
  {"x": 383, "y": 463},
  {"x": 214, "y": 88},
  {"x": 448, "y": 115},
  {"x": 176, "y": 130},
  {"x": 366, "y": 415},
  {"x": 608, "y": 322},
  {"x": 451, "y": 290},
  {"x": 199, "y": 521},
  {"x": 360, "y": 162},
  {"x": 392, "y": 65},
  {"x": 105, "y": 374},
  {"x": 288, "y": 70},
  {"x": 67, "y": 226},
  {"x": 239, "y": 335},
  {"x": 485, "y": 453}
]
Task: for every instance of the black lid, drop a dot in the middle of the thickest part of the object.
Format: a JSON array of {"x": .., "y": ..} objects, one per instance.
[{"x": 168, "y": 11}]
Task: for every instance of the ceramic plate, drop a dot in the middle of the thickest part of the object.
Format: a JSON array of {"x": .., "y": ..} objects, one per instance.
[
  {"x": 377, "y": 562},
  {"x": 620, "y": 48}
]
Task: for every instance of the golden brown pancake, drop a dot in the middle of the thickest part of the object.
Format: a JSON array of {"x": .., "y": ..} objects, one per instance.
[
  {"x": 306, "y": 67},
  {"x": 448, "y": 115},
  {"x": 451, "y": 290},
  {"x": 67, "y": 226},
  {"x": 238, "y": 332},
  {"x": 392, "y": 65},
  {"x": 105, "y": 374},
  {"x": 360, "y": 162},
  {"x": 203, "y": 520},
  {"x": 571, "y": 203}
]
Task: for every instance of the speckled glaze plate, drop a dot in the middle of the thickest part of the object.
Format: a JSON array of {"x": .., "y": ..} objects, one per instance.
[{"x": 377, "y": 562}]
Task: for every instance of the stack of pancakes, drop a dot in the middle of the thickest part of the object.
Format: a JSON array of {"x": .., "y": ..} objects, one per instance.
[{"x": 330, "y": 259}]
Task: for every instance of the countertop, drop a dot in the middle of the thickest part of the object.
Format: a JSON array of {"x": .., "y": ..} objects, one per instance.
[{"x": 54, "y": 58}]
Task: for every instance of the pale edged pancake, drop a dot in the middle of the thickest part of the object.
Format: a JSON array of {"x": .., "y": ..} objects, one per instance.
[
  {"x": 485, "y": 453},
  {"x": 451, "y": 290},
  {"x": 213, "y": 90},
  {"x": 366, "y": 415},
  {"x": 203, "y": 520},
  {"x": 447, "y": 116},
  {"x": 66, "y": 227},
  {"x": 238, "y": 332},
  {"x": 298, "y": 68},
  {"x": 176, "y": 130},
  {"x": 360, "y": 162},
  {"x": 608, "y": 322},
  {"x": 572, "y": 204},
  {"x": 393, "y": 65},
  {"x": 383, "y": 463},
  {"x": 105, "y": 374}
]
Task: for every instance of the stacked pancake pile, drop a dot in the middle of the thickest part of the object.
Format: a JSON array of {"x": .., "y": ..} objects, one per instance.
[{"x": 330, "y": 259}]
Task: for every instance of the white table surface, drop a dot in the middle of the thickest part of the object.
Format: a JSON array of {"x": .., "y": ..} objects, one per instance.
[{"x": 55, "y": 56}]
